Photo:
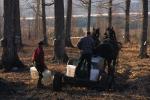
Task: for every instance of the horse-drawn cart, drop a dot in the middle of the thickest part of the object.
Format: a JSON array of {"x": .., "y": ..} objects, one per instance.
[{"x": 99, "y": 81}]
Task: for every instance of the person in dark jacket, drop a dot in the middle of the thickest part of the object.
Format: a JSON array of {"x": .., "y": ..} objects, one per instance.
[
  {"x": 38, "y": 60},
  {"x": 86, "y": 45}
]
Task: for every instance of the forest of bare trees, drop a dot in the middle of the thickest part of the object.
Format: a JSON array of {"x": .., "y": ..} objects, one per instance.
[
  {"x": 20, "y": 34},
  {"x": 12, "y": 29}
]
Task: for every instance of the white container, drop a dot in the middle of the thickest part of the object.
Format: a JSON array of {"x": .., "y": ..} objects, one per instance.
[
  {"x": 94, "y": 74},
  {"x": 47, "y": 77},
  {"x": 99, "y": 62},
  {"x": 70, "y": 70},
  {"x": 34, "y": 73}
]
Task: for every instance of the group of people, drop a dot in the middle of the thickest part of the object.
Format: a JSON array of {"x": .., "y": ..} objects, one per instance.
[{"x": 86, "y": 46}]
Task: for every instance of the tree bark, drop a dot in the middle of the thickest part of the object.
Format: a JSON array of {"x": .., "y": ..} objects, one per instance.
[
  {"x": 110, "y": 14},
  {"x": 89, "y": 16},
  {"x": 68, "y": 24},
  {"x": 9, "y": 56},
  {"x": 37, "y": 19},
  {"x": 59, "y": 43},
  {"x": 17, "y": 28},
  {"x": 44, "y": 23},
  {"x": 1, "y": 25},
  {"x": 29, "y": 31},
  {"x": 126, "y": 34},
  {"x": 143, "y": 45}
]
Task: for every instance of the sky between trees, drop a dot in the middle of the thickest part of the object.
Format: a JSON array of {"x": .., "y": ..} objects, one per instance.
[{"x": 26, "y": 11}]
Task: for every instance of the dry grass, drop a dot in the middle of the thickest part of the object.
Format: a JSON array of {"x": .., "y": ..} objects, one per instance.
[{"x": 132, "y": 76}]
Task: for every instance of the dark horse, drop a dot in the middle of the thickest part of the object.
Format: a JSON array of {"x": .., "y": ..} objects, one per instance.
[{"x": 108, "y": 49}]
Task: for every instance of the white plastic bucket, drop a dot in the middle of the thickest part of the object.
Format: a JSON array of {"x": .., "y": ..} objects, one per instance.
[
  {"x": 94, "y": 74},
  {"x": 70, "y": 70},
  {"x": 34, "y": 73},
  {"x": 47, "y": 77},
  {"x": 99, "y": 61}
]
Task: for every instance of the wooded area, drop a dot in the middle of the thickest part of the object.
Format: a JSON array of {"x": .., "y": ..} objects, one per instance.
[{"x": 60, "y": 34}]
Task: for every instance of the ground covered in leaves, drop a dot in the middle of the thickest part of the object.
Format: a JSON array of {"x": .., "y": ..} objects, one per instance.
[{"x": 132, "y": 78}]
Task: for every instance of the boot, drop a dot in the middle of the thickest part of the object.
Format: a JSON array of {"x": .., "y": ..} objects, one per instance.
[{"x": 39, "y": 84}]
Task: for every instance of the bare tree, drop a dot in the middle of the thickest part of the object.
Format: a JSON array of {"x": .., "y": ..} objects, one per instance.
[
  {"x": 89, "y": 16},
  {"x": 1, "y": 25},
  {"x": 59, "y": 43},
  {"x": 37, "y": 18},
  {"x": 1, "y": 21},
  {"x": 68, "y": 24},
  {"x": 44, "y": 23},
  {"x": 107, "y": 5},
  {"x": 87, "y": 4},
  {"x": 143, "y": 45},
  {"x": 29, "y": 30},
  {"x": 17, "y": 28},
  {"x": 127, "y": 12},
  {"x": 9, "y": 56},
  {"x": 110, "y": 14}
]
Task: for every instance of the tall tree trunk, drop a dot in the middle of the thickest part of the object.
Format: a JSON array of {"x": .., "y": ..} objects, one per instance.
[
  {"x": 110, "y": 14},
  {"x": 17, "y": 28},
  {"x": 89, "y": 16},
  {"x": 126, "y": 35},
  {"x": 9, "y": 56},
  {"x": 59, "y": 43},
  {"x": 44, "y": 23},
  {"x": 1, "y": 25},
  {"x": 68, "y": 24},
  {"x": 29, "y": 30},
  {"x": 143, "y": 46},
  {"x": 37, "y": 19}
]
